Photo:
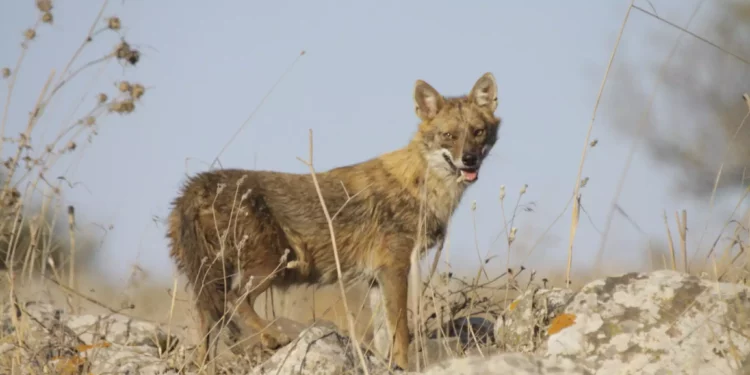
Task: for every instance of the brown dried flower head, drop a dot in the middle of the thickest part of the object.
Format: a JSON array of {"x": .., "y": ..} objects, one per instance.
[
  {"x": 47, "y": 17},
  {"x": 11, "y": 198},
  {"x": 114, "y": 23},
  {"x": 6, "y": 72},
  {"x": 44, "y": 5},
  {"x": 102, "y": 97},
  {"x": 123, "y": 51},
  {"x": 137, "y": 91},
  {"x": 123, "y": 106},
  {"x": 29, "y": 34},
  {"x": 89, "y": 120},
  {"x": 71, "y": 146},
  {"x": 124, "y": 86}
]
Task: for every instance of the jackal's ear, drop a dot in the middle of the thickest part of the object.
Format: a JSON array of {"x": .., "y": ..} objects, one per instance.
[
  {"x": 427, "y": 100},
  {"x": 484, "y": 93}
]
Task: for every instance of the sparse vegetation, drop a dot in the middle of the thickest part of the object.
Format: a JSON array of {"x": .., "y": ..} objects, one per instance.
[{"x": 45, "y": 254}]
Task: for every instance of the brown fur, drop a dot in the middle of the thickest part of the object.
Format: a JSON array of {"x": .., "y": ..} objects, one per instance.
[{"x": 229, "y": 225}]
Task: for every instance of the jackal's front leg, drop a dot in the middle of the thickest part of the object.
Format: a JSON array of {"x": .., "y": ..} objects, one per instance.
[{"x": 394, "y": 286}]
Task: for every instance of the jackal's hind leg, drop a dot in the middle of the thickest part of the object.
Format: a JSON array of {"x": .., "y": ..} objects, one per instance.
[{"x": 270, "y": 336}]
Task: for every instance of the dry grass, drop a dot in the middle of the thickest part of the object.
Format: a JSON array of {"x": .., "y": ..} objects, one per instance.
[
  {"x": 44, "y": 254},
  {"x": 40, "y": 243}
]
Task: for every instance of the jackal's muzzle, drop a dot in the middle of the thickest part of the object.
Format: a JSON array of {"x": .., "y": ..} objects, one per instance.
[{"x": 467, "y": 170}]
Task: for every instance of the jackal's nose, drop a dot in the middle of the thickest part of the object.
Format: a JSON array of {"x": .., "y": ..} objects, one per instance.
[{"x": 469, "y": 160}]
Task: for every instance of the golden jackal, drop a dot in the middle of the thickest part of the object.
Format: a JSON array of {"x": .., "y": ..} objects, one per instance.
[{"x": 229, "y": 230}]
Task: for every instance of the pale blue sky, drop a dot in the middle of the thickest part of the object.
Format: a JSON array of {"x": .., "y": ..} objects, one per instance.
[{"x": 207, "y": 65}]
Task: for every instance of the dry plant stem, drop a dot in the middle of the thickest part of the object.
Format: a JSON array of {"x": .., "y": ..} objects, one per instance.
[
  {"x": 573, "y": 229},
  {"x": 670, "y": 243},
  {"x": 434, "y": 265},
  {"x": 682, "y": 227},
  {"x": 11, "y": 86},
  {"x": 718, "y": 178},
  {"x": 544, "y": 234},
  {"x": 636, "y": 141},
  {"x": 576, "y": 191},
  {"x": 476, "y": 246},
  {"x": 77, "y": 53},
  {"x": 726, "y": 224},
  {"x": 252, "y": 114},
  {"x": 33, "y": 241},
  {"x": 507, "y": 259},
  {"x": 71, "y": 231},
  {"x": 171, "y": 313},
  {"x": 342, "y": 288},
  {"x": 87, "y": 298},
  {"x": 734, "y": 260},
  {"x": 13, "y": 303},
  {"x": 694, "y": 35},
  {"x": 14, "y": 236},
  {"x": 26, "y": 135}
]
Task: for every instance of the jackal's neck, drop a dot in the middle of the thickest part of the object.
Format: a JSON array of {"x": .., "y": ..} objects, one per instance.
[{"x": 409, "y": 165}]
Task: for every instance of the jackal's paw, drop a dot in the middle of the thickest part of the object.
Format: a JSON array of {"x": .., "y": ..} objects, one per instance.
[{"x": 274, "y": 342}]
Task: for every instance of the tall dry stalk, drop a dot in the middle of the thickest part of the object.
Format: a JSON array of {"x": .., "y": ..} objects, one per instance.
[
  {"x": 72, "y": 280},
  {"x": 342, "y": 288},
  {"x": 682, "y": 228},
  {"x": 670, "y": 242},
  {"x": 586, "y": 145}
]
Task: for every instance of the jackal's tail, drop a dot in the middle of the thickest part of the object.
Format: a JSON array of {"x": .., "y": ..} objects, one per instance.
[{"x": 192, "y": 253}]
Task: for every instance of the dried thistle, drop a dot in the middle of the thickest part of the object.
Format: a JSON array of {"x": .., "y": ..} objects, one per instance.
[
  {"x": 71, "y": 146},
  {"x": 124, "y": 86},
  {"x": 11, "y": 199},
  {"x": 114, "y": 23},
  {"x": 594, "y": 142},
  {"x": 47, "y": 17},
  {"x": 29, "y": 34},
  {"x": 6, "y": 72},
  {"x": 123, "y": 51},
  {"x": 102, "y": 97},
  {"x": 89, "y": 120},
  {"x": 44, "y": 5},
  {"x": 123, "y": 106},
  {"x": 137, "y": 91}
]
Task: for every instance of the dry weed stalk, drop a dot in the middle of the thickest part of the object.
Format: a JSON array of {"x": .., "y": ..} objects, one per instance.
[
  {"x": 639, "y": 129},
  {"x": 670, "y": 242},
  {"x": 349, "y": 318},
  {"x": 682, "y": 228},
  {"x": 587, "y": 144}
]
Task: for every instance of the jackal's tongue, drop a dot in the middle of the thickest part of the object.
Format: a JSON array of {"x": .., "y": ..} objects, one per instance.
[{"x": 469, "y": 175}]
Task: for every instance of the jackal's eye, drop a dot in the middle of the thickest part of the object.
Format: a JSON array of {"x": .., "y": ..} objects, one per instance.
[
  {"x": 478, "y": 132},
  {"x": 448, "y": 135}
]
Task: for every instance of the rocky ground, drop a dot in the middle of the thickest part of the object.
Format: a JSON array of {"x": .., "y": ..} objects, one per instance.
[{"x": 661, "y": 322}]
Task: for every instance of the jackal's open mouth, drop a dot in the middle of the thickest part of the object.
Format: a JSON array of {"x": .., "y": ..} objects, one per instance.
[{"x": 465, "y": 174}]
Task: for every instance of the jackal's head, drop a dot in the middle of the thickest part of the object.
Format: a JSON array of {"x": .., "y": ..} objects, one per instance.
[{"x": 458, "y": 133}]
